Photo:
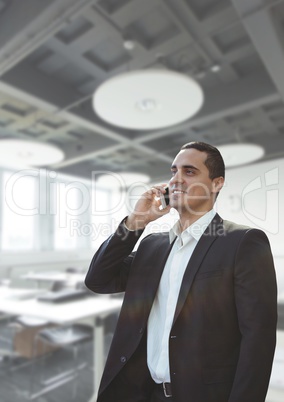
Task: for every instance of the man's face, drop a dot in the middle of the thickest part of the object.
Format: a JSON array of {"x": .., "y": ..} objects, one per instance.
[{"x": 191, "y": 189}]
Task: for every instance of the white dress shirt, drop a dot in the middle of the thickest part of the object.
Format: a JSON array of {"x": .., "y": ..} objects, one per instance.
[{"x": 163, "y": 309}]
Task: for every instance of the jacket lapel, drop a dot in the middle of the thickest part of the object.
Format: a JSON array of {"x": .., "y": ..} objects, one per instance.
[
  {"x": 159, "y": 260},
  {"x": 199, "y": 253}
]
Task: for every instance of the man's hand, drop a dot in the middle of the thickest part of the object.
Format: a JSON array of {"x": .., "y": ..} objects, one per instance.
[{"x": 147, "y": 209}]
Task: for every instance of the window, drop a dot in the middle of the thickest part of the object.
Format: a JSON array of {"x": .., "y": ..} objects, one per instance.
[
  {"x": 19, "y": 210},
  {"x": 101, "y": 219},
  {"x": 72, "y": 213}
]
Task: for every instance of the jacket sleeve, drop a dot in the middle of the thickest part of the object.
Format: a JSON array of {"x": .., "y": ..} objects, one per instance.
[
  {"x": 256, "y": 304},
  {"x": 110, "y": 265}
]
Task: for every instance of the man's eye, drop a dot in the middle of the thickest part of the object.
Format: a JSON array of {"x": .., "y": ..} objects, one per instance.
[{"x": 189, "y": 172}]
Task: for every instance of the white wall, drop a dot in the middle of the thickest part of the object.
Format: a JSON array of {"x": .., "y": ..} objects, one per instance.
[{"x": 254, "y": 196}]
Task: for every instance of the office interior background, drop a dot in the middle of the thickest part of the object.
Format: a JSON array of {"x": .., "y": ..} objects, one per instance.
[{"x": 81, "y": 138}]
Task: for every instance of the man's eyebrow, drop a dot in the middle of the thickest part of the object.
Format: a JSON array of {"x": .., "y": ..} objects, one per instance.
[{"x": 185, "y": 167}]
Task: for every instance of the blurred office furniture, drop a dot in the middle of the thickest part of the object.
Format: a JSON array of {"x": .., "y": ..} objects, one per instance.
[
  {"x": 9, "y": 326},
  {"x": 71, "y": 278},
  {"x": 75, "y": 270},
  {"x": 59, "y": 337},
  {"x": 5, "y": 279},
  {"x": 91, "y": 310},
  {"x": 27, "y": 327},
  {"x": 24, "y": 330}
]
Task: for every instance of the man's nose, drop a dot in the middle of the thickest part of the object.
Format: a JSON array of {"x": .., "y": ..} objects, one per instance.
[{"x": 176, "y": 178}]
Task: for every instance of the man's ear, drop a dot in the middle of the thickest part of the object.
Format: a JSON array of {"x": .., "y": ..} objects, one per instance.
[{"x": 217, "y": 184}]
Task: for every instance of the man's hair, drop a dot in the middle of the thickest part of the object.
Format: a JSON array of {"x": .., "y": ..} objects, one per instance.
[{"x": 214, "y": 161}]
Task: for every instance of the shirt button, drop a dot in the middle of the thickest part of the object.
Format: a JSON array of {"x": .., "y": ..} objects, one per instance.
[
  {"x": 141, "y": 330},
  {"x": 123, "y": 359}
]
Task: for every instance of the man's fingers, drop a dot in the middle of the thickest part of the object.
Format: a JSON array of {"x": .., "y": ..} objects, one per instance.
[{"x": 158, "y": 189}]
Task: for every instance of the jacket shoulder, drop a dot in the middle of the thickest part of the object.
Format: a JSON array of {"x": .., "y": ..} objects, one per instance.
[{"x": 237, "y": 230}]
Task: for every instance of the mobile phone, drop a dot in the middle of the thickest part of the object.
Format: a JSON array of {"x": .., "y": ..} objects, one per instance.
[{"x": 164, "y": 197}]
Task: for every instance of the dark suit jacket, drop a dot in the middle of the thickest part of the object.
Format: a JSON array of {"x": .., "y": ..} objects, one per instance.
[{"x": 222, "y": 340}]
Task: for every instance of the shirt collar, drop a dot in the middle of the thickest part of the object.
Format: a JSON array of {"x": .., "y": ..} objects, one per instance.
[{"x": 195, "y": 230}]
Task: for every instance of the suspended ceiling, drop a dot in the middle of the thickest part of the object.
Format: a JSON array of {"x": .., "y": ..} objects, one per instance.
[{"x": 54, "y": 54}]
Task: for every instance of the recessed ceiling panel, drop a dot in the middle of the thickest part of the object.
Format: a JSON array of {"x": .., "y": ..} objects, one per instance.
[
  {"x": 74, "y": 30},
  {"x": 277, "y": 118},
  {"x": 186, "y": 59},
  {"x": 18, "y": 109},
  {"x": 108, "y": 55},
  {"x": 71, "y": 74},
  {"x": 111, "y": 6},
  {"x": 231, "y": 39},
  {"x": 53, "y": 123},
  {"x": 39, "y": 55},
  {"x": 32, "y": 132},
  {"x": 85, "y": 141},
  {"x": 153, "y": 28},
  {"x": 248, "y": 65},
  {"x": 52, "y": 63},
  {"x": 239, "y": 117},
  {"x": 274, "y": 107},
  {"x": 87, "y": 86},
  {"x": 4, "y": 121},
  {"x": 244, "y": 124},
  {"x": 205, "y": 8},
  {"x": 3, "y": 4}
]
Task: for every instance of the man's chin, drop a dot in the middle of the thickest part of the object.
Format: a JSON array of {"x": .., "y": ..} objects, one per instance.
[
  {"x": 185, "y": 209},
  {"x": 178, "y": 205}
]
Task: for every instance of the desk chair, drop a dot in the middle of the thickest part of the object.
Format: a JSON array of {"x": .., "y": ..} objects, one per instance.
[
  {"x": 60, "y": 337},
  {"x": 73, "y": 270},
  {"x": 46, "y": 341},
  {"x": 47, "y": 338},
  {"x": 6, "y": 344}
]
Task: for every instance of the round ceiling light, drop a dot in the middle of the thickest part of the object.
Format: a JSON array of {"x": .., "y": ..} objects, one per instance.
[
  {"x": 240, "y": 154},
  {"x": 24, "y": 153},
  {"x": 148, "y": 99}
]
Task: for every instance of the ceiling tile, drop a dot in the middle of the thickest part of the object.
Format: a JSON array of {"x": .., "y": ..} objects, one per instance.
[
  {"x": 248, "y": 65},
  {"x": 206, "y": 8},
  {"x": 18, "y": 109},
  {"x": 111, "y": 6},
  {"x": 108, "y": 55},
  {"x": 74, "y": 30},
  {"x": 231, "y": 39},
  {"x": 153, "y": 28}
]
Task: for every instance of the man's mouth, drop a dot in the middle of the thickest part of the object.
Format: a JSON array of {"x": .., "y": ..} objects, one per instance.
[{"x": 178, "y": 192}]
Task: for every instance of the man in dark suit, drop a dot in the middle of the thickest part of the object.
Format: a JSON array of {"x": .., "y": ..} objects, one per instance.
[{"x": 198, "y": 321}]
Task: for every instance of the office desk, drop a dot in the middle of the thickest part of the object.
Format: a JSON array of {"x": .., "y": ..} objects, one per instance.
[
  {"x": 94, "y": 308},
  {"x": 7, "y": 293},
  {"x": 54, "y": 276}
]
